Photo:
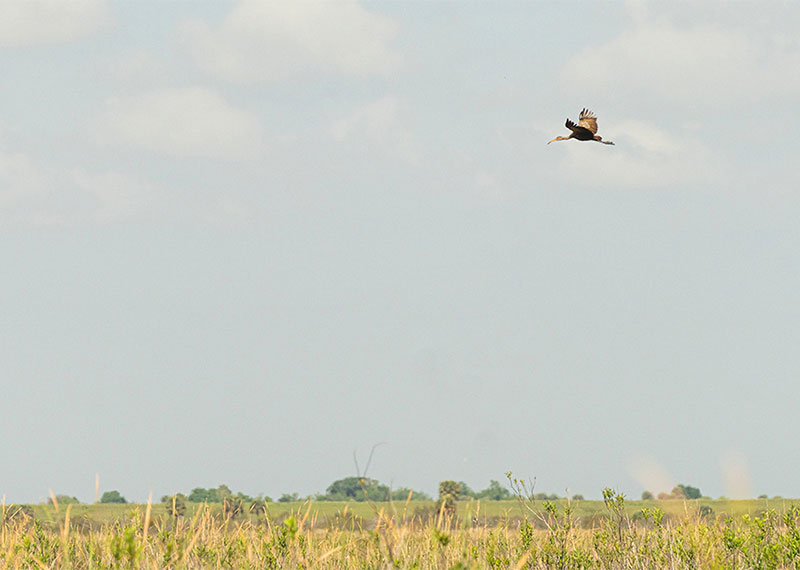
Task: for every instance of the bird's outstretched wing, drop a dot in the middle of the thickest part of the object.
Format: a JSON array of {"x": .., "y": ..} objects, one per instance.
[
  {"x": 580, "y": 130},
  {"x": 588, "y": 121}
]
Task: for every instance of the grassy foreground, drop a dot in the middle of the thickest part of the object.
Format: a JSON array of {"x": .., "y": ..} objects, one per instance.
[{"x": 670, "y": 534}]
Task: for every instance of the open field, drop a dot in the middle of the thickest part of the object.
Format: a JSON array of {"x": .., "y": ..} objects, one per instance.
[
  {"x": 294, "y": 536},
  {"x": 479, "y": 511}
]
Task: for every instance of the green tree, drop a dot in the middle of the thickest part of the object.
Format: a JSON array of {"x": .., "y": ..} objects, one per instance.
[
  {"x": 448, "y": 495},
  {"x": 401, "y": 494},
  {"x": 218, "y": 495},
  {"x": 349, "y": 488},
  {"x": 222, "y": 493},
  {"x": 546, "y": 497},
  {"x": 690, "y": 492},
  {"x": 65, "y": 500},
  {"x": 289, "y": 498},
  {"x": 647, "y": 496},
  {"x": 687, "y": 491},
  {"x": 112, "y": 497},
  {"x": 357, "y": 489},
  {"x": 175, "y": 504},
  {"x": 466, "y": 492},
  {"x": 494, "y": 492},
  {"x": 200, "y": 495}
]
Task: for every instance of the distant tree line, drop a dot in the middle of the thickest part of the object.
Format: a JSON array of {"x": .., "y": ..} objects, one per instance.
[
  {"x": 678, "y": 492},
  {"x": 220, "y": 495},
  {"x": 346, "y": 489},
  {"x": 494, "y": 492},
  {"x": 233, "y": 504},
  {"x": 107, "y": 497},
  {"x": 64, "y": 500},
  {"x": 452, "y": 491},
  {"x": 357, "y": 489},
  {"x": 363, "y": 489}
]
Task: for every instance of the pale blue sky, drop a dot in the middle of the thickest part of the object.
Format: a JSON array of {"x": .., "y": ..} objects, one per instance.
[{"x": 242, "y": 239}]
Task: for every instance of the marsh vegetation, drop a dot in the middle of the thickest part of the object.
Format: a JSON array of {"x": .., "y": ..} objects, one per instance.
[{"x": 609, "y": 534}]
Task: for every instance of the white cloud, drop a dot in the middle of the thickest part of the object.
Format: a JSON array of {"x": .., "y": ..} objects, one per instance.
[
  {"x": 264, "y": 41},
  {"x": 32, "y": 195},
  {"x": 18, "y": 177},
  {"x": 33, "y": 22},
  {"x": 180, "y": 122},
  {"x": 704, "y": 65},
  {"x": 115, "y": 197},
  {"x": 377, "y": 123},
  {"x": 139, "y": 66},
  {"x": 645, "y": 156},
  {"x": 227, "y": 212}
]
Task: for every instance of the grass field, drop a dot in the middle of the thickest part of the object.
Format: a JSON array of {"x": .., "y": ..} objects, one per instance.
[
  {"x": 617, "y": 534},
  {"x": 483, "y": 511}
]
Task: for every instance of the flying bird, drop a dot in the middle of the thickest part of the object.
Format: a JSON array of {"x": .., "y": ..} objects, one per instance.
[{"x": 585, "y": 130}]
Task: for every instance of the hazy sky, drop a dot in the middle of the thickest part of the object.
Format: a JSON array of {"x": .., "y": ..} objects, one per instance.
[{"x": 241, "y": 240}]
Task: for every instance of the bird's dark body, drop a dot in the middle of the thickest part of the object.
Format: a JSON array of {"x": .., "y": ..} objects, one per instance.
[{"x": 579, "y": 133}]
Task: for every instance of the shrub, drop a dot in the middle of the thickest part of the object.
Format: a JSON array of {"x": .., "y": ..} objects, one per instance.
[
  {"x": 466, "y": 492},
  {"x": 401, "y": 494},
  {"x": 687, "y": 491},
  {"x": 17, "y": 512},
  {"x": 448, "y": 494},
  {"x": 65, "y": 500},
  {"x": 259, "y": 506},
  {"x": 175, "y": 504},
  {"x": 112, "y": 497},
  {"x": 232, "y": 506},
  {"x": 494, "y": 492},
  {"x": 200, "y": 495},
  {"x": 289, "y": 498}
]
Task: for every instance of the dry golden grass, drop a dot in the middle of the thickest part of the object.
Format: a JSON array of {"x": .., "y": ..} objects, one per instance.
[{"x": 397, "y": 538}]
